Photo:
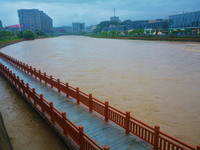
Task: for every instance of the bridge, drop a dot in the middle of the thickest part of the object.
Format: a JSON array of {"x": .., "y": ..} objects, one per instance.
[{"x": 81, "y": 120}]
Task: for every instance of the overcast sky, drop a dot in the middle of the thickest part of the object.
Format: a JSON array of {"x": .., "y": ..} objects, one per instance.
[{"x": 91, "y": 12}]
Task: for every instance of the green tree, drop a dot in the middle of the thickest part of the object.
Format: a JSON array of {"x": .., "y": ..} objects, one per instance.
[
  {"x": 20, "y": 34},
  {"x": 172, "y": 32},
  {"x": 104, "y": 24},
  {"x": 147, "y": 32},
  {"x": 126, "y": 33},
  {"x": 141, "y": 31},
  {"x": 28, "y": 35},
  {"x": 152, "y": 31},
  {"x": 41, "y": 34}
]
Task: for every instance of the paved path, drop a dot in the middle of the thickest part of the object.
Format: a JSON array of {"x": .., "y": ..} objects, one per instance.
[{"x": 102, "y": 132}]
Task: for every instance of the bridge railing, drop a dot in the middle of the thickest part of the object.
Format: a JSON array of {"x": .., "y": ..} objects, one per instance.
[
  {"x": 54, "y": 116},
  {"x": 155, "y": 137}
]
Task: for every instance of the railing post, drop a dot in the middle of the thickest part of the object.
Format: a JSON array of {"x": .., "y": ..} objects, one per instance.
[
  {"x": 106, "y": 111},
  {"x": 58, "y": 80},
  {"x": 67, "y": 91},
  {"x": 21, "y": 65},
  {"x": 8, "y": 72},
  {"x": 198, "y": 147},
  {"x": 33, "y": 89},
  {"x": 42, "y": 99},
  {"x": 27, "y": 85},
  {"x": 64, "y": 122},
  {"x": 45, "y": 77},
  {"x": 81, "y": 139},
  {"x": 77, "y": 96},
  {"x": 27, "y": 68},
  {"x": 90, "y": 102},
  {"x": 106, "y": 148},
  {"x": 14, "y": 79},
  {"x": 51, "y": 78},
  {"x": 31, "y": 70},
  {"x": 35, "y": 72},
  {"x": 51, "y": 110},
  {"x": 11, "y": 75},
  {"x": 156, "y": 137},
  {"x": 23, "y": 85},
  {"x": 18, "y": 80},
  {"x": 40, "y": 75},
  {"x": 127, "y": 121}
]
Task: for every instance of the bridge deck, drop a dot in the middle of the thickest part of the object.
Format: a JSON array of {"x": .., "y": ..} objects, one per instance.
[{"x": 103, "y": 133}]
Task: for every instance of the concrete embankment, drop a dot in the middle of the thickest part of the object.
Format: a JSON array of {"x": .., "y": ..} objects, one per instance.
[
  {"x": 4, "y": 138},
  {"x": 11, "y": 42},
  {"x": 152, "y": 38}
]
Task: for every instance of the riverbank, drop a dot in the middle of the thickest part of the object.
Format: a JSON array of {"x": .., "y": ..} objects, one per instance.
[
  {"x": 4, "y": 138},
  {"x": 10, "y": 42},
  {"x": 192, "y": 39}
]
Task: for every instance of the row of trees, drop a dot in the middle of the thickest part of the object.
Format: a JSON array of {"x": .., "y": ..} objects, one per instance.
[
  {"x": 142, "y": 32},
  {"x": 26, "y": 35},
  {"x": 9, "y": 36},
  {"x": 104, "y": 24},
  {"x": 127, "y": 33}
]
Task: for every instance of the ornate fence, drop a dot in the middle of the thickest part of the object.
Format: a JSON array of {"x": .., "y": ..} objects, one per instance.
[
  {"x": 158, "y": 139},
  {"x": 54, "y": 116}
]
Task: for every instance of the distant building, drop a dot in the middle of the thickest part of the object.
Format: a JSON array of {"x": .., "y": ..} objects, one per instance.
[
  {"x": 13, "y": 28},
  {"x": 135, "y": 25},
  {"x": 68, "y": 29},
  {"x": 115, "y": 28},
  {"x": 185, "y": 20},
  {"x": 34, "y": 20},
  {"x": 90, "y": 28},
  {"x": 62, "y": 30},
  {"x": 114, "y": 18},
  {"x": 1, "y": 26},
  {"x": 158, "y": 23},
  {"x": 78, "y": 27}
]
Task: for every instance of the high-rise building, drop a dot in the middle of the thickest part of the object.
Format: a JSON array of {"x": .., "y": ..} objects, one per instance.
[
  {"x": 78, "y": 27},
  {"x": 189, "y": 20},
  {"x": 1, "y": 24},
  {"x": 34, "y": 20}
]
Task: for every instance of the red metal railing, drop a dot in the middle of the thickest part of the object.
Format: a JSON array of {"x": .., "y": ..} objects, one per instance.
[
  {"x": 159, "y": 140},
  {"x": 54, "y": 116}
]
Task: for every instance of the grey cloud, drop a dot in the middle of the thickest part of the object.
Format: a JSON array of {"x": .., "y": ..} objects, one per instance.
[{"x": 64, "y": 12}]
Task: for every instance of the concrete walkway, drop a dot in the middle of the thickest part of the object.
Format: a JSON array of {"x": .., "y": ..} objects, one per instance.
[{"x": 103, "y": 133}]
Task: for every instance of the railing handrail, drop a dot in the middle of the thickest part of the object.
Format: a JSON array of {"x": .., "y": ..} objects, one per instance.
[
  {"x": 176, "y": 140},
  {"x": 22, "y": 85},
  {"x": 114, "y": 110}
]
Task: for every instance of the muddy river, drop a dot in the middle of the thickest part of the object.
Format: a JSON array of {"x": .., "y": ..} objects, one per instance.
[{"x": 159, "y": 82}]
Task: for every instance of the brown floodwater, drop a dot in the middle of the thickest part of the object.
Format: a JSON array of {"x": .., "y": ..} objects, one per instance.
[
  {"x": 159, "y": 82},
  {"x": 25, "y": 127}
]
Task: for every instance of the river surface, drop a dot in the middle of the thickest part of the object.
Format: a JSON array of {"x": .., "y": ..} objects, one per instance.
[{"x": 158, "y": 82}]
